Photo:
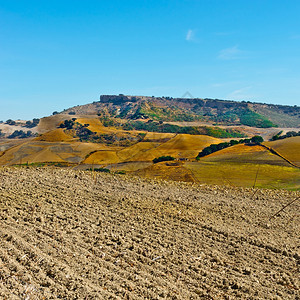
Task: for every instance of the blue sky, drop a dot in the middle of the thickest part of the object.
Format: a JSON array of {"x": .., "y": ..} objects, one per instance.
[{"x": 57, "y": 54}]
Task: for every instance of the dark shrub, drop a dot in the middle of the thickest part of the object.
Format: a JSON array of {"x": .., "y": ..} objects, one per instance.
[{"x": 163, "y": 158}]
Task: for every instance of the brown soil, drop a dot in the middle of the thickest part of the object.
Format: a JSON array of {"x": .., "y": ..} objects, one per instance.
[{"x": 77, "y": 235}]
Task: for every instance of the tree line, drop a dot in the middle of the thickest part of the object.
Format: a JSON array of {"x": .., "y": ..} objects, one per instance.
[
  {"x": 255, "y": 140},
  {"x": 278, "y": 136}
]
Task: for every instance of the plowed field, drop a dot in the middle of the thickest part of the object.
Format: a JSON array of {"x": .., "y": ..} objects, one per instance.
[{"x": 77, "y": 235}]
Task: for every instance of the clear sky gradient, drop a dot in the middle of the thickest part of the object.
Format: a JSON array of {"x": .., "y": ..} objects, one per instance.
[{"x": 59, "y": 53}]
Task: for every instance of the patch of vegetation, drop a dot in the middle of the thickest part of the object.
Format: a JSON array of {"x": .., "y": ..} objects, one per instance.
[
  {"x": 170, "y": 128},
  {"x": 32, "y": 124},
  {"x": 217, "y": 147},
  {"x": 257, "y": 140},
  {"x": 10, "y": 122},
  {"x": 121, "y": 172},
  {"x": 229, "y": 117},
  {"x": 163, "y": 158},
  {"x": 159, "y": 113},
  {"x": 250, "y": 118},
  {"x": 125, "y": 110},
  {"x": 1, "y": 133},
  {"x": 218, "y": 132},
  {"x": 110, "y": 122},
  {"x": 68, "y": 124},
  {"x": 86, "y": 135},
  {"x": 20, "y": 134},
  {"x": 104, "y": 170},
  {"x": 151, "y": 126},
  {"x": 278, "y": 136}
]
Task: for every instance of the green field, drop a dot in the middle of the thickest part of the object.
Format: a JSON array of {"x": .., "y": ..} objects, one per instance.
[{"x": 244, "y": 174}]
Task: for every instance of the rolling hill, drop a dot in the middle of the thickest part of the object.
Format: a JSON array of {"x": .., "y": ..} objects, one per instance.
[
  {"x": 289, "y": 148},
  {"x": 126, "y": 133}
]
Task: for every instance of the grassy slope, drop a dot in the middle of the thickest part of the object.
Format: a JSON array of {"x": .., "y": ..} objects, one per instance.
[
  {"x": 94, "y": 124},
  {"x": 245, "y": 154},
  {"x": 180, "y": 145},
  {"x": 41, "y": 151},
  {"x": 289, "y": 148},
  {"x": 238, "y": 166},
  {"x": 244, "y": 174},
  {"x": 56, "y": 135},
  {"x": 277, "y": 117}
]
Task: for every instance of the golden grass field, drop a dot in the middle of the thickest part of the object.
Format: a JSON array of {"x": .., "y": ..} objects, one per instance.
[
  {"x": 94, "y": 124},
  {"x": 245, "y": 154},
  {"x": 181, "y": 145},
  {"x": 289, "y": 148},
  {"x": 56, "y": 135}
]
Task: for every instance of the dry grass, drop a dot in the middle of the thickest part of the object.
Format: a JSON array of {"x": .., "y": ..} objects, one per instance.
[
  {"x": 102, "y": 157},
  {"x": 289, "y": 148},
  {"x": 95, "y": 124},
  {"x": 245, "y": 154},
  {"x": 56, "y": 135}
]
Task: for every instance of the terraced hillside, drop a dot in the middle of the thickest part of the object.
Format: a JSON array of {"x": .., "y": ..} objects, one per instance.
[{"x": 77, "y": 235}]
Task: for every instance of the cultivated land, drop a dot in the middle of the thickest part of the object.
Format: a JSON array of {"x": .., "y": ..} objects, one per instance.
[{"x": 69, "y": 234}]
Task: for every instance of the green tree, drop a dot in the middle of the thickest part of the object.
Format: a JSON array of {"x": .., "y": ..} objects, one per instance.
[{"x": 257, "y": 139}]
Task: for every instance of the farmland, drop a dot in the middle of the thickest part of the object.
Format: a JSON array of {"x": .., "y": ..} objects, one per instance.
[{"x": 74, "y": 234}]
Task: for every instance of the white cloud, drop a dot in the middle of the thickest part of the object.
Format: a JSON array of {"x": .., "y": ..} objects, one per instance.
[
  {"x": 230, "y": 53},
  {"x": 190, "y": 35}
]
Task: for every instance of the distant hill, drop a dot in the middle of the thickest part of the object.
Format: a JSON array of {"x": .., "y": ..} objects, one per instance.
[{"x": 212, "y": 111}]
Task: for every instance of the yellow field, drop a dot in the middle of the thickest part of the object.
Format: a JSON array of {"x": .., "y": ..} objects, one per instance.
[
  {"x": 245, "y": 154},
  {"x": 186, "y": 146},
  {"x": 102, "y": 157},
  {"x": 51, "y": 123},
  {"x": 41, "y": 151},
  {"x": 289, "y": 148},
  {"x": 56, "y": 135},
  {"x": 94, "y": 124},
  {"x": 159, "y": 136},
  {"x": 239, "y": 174},
  {"x": 181, "y": 146}
]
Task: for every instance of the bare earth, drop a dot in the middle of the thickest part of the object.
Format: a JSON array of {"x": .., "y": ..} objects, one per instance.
[{"x": 76, "y": 235}]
